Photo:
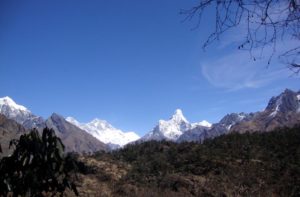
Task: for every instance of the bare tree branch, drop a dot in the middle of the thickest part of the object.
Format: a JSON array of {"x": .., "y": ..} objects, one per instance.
[{"x": 267, "y": 22}]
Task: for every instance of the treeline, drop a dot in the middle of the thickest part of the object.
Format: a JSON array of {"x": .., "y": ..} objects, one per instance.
[
  {"x": 250, "y": 164},
  {"x": 256, "y": 164}
]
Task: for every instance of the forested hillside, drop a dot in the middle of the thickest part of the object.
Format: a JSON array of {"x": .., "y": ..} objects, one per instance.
[
  {"x": 248, "y": 164},
  {"x": 256, "y": 164}
]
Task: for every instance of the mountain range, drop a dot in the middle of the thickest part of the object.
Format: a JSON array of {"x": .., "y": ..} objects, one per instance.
[
  {"x": 74, "y": 138},
  {"x": 282, "y": 111}
]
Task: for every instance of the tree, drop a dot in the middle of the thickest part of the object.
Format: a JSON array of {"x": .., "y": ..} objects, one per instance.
[
  {"x": 267, "y": 23},
  {"x": 36, "y": 167}
]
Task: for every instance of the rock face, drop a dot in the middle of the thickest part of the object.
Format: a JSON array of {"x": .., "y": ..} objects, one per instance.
[
  {"x": 9, "y": 129},
  {"x": 194, "y": 134},
  {"x": 74, "y": 139},
  {"x": 226, "y": 124},
  {"x": 105, "y": 132},
  {"x": 281, "y": 111},
  {"x": 198, "y": 134},
  {"x": 286, "y": 102}
]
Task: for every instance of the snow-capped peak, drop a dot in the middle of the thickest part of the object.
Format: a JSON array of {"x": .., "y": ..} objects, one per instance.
[
  {"x": 170, "y": 129},
  {"x": 178, "y": 116},
  {"x": 11, "y": 103},
  {"x": 100, "y": 124},
  {"x": 19, "y": 113},
  {"x": 105, "y": 132}
]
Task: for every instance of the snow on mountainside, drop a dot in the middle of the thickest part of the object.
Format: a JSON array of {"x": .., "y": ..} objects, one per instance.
[
  {"x": 105, "y": 132},
  {"x": 285, "y": 102},
  {"x": 12, "y": 110},
  {"x": 19, "y": 113},
  {"x": 281, "y": 111},
  {"x": 203, "y": 123},
  {"x": 8, "y": 101},
  {"x": 173, "y": 128}
]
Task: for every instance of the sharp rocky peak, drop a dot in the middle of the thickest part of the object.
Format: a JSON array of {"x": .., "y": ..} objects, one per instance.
[
  {"x": 285, "y": 102},
  {"x": 19, "y": 113},
  {"x": 178, "y": 116}
]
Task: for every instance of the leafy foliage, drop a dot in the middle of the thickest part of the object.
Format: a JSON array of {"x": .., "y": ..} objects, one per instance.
[{"x": 37, "y": 166}]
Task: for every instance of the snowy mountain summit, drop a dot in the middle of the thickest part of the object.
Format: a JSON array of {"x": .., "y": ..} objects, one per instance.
[
  {"x": 19, "y": 113},
  {"x": 173, "y": 128},
  {"x": 105, "y": 132},
  {"x": 12, "y": 110},
  {"x": 7, "y": 101}
]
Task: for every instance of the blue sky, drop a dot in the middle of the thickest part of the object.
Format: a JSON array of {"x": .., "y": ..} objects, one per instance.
[{"x": 128, "y": 62}]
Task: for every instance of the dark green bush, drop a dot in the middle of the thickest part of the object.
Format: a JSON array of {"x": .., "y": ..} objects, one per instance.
[{"x": 37, "y": 166}]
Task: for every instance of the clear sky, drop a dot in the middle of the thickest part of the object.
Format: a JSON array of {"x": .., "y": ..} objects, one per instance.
[{"x": 128, "y": 62}]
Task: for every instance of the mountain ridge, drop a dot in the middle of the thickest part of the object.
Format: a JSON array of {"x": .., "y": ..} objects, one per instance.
[
  {"x": 105, "y": 132},
  {"x": 71, "y": 136},
  {"x": 281, "y": 111}
]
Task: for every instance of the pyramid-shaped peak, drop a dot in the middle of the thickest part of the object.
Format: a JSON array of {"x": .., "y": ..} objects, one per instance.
[
  {"x": 56, "y": 116},
  {"x": 178, "y": 116}
]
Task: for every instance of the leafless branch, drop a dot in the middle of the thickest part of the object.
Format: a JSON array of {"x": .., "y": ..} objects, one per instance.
[{"x": 266, "y": 21}]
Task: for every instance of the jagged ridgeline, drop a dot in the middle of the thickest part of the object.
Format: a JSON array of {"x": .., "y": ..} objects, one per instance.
[{"x": 282, "y": 110}]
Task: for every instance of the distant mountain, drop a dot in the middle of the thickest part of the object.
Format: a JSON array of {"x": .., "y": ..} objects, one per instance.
[
  {"x": 173, "y": 128},
  {"x": 9, "y": 129},
  {"x": 281, "y": 111},
  {"x": 105, "y": 132},
  {"x": 74, "y": 138},
  {"x": 200, "y": 133},
  {"x": 20, "y": 114},
  {"x": 193, "y": 134},
  {"x": 225, "y": 125}
]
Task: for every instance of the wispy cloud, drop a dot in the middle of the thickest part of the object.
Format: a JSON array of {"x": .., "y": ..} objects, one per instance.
[{"x": 237, "y": 70}]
